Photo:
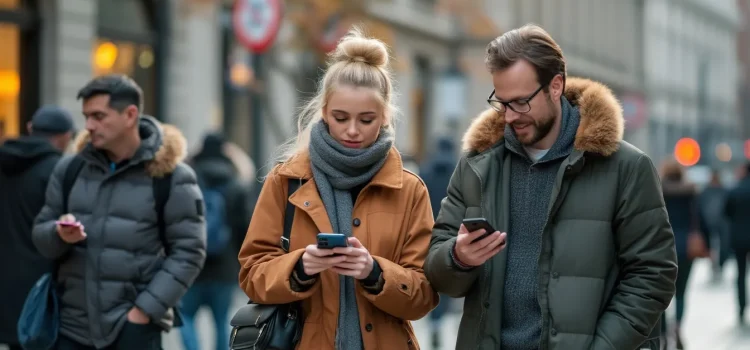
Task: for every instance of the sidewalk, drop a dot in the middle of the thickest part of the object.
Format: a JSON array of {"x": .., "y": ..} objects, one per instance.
[
  {"x": 711, "y": 311},
  {"x": 710, "y": 315}
]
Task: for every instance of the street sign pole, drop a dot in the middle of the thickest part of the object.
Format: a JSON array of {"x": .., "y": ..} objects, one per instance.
[
  {"x": 256, "y": 114},
  {"x": 256, "y": 24}
]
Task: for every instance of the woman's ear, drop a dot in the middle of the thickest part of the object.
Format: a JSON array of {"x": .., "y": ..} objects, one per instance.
[{"x": 324, "y": 115}]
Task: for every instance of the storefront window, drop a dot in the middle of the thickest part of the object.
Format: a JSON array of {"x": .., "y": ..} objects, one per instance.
[
  {"x": 10, "y": 4},
  {"x": 129, "y": 58},
  {"x": 10, "y": 82},
  {"x": 125, "y": 45}
]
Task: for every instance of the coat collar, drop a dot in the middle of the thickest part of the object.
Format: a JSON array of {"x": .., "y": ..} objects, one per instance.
[
  {"x": 600, "y": 131},
  {"x": 390, "y": 176},
  {"x": 171, "y": 150}
]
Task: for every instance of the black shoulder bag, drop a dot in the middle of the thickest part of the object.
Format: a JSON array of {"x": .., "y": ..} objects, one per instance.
[{"x": 267, "y": 327}]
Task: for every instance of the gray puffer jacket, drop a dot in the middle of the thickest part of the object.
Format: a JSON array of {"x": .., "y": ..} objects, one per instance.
[{"x": 122, "y": 263}]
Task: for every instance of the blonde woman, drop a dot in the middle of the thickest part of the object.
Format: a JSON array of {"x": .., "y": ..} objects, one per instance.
[{"x": 354, "y": 183}]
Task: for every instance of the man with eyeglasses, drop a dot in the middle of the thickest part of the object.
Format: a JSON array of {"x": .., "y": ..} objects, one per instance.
[{"x": 583, "y": 253}]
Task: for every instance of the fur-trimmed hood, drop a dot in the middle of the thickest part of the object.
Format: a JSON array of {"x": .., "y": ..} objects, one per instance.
[
  {"x": 600, "y": 130},
  {"x": 172, "y": 146}
]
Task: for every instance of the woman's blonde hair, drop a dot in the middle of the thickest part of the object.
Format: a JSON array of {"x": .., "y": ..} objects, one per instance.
[{"x": 357, "y": 61}]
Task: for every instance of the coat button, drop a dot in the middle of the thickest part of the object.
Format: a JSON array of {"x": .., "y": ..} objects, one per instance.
[
  {"x": 553, "y": 331},
  {"x": 409, "y": 341},
  {"x": 404, "y": 287},
  {"x": 555, "y": 275},
  {"x": 356, "y": 222},
  {"x": 307, "y": 204},
  {"x": 368, "y": 327},
  {"x": 486, "y": 304}
]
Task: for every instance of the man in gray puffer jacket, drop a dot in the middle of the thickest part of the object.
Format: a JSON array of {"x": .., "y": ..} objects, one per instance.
[{"x": 118, "y": 284}]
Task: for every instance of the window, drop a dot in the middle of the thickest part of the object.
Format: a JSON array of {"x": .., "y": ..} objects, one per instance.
[
  {"x": 18, "y": 65},
  {"x": 10, "y": 81},
  {"x": 420, "y": 101},
  {"x": 125, "y": 45},
  {"x": 10, "y": 4}
]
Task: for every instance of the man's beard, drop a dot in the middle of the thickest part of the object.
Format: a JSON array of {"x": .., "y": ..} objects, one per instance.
[{"x": 541, "y": 127}]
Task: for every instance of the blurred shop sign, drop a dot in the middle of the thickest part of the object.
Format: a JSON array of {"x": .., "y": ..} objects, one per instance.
[
  {"x": 633, "y": 110},
  {"x": 256, "y": 23},
  {"x": 335, "y": 29}
]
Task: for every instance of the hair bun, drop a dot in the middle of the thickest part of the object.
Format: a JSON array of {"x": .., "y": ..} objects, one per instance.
[{"x": 356, "y": 47}]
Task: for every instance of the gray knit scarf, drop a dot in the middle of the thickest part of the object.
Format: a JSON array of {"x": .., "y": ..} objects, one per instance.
[{"x": 337, "y": 170}]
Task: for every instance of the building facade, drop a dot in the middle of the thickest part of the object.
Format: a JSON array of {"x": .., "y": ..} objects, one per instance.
[
  {"x": 692, "y": 77},
  {"x": 668, "y": 61},
  {"x": 54, "y": 47}
]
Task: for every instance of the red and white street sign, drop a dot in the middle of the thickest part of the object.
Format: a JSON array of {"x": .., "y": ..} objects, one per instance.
[{"x": 256, "y": 23}]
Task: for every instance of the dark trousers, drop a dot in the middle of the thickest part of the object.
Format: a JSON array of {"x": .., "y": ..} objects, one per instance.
[
  {"x": 218, "y": 297},
  {"x": 684, "y": 265},
  {"x": 133, "y": 336},
  {"x": 741, "y": 256},
  {"x": 436, "y": 315}
]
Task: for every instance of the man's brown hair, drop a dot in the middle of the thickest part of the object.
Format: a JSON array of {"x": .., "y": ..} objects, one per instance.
[{"x": 532, "y": 44}]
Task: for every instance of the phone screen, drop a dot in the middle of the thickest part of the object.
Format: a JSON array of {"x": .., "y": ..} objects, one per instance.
[{"x": 69, "y": 224}]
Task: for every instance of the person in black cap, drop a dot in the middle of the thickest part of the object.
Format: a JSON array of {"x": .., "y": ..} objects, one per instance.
[{"x": 25, "y": 166}]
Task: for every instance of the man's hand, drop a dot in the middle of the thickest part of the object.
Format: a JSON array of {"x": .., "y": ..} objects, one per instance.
[
  {"x": 358, "y": 263},
  {"x": 316, "y": 260},
  {"x": 475, "y": 254},
  {"x": 70, "y": 230},
  {"x": 135, "y": 315}
]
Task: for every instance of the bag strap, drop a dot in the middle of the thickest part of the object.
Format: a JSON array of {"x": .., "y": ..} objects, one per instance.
[
  {"x": 294, "y": 184},
  {"x": 69, "y": 178},
  {"x": 162, "y": 187}
]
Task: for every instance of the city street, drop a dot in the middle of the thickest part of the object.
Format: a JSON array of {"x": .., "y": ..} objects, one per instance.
[{"x": 711, "y": 321}]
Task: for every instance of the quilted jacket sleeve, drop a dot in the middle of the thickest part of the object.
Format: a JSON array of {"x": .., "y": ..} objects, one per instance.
[{"x": 186, "y": 237}]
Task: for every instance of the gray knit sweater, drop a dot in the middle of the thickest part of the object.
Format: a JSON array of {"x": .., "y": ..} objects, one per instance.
[{"x": 530, "y": 190}]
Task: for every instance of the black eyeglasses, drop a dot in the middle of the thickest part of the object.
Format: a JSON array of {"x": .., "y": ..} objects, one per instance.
[{"x": 520, "y": 105}]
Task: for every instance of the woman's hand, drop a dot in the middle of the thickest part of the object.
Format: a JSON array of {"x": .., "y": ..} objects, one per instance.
[
  {"x": 316, "y": 260},
  {"x": 358, "y": 262}
]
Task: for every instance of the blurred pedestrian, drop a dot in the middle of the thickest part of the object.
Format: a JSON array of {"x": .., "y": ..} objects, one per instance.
[
  {"x": 361, "y": 296},
  {"x": 123, "y": 219},
  {"x": 681, "y": 200},
  {"x": 227, "y": 218},
  {"x": 436, "y": 174},
  {"x": 582, "y": 254},
  {"x": 712, "y": 200},
  {"x": 737, "y": 211},
  {"x": 25, "y": 166}
]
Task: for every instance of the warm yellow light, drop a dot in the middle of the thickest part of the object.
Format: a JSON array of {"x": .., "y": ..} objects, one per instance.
[
  {"x": 10, "y": 83},
  {"x": 105, "y": 55},
  {"x": 687, "y": 152},
  {"x": 146, "y": 58},
  {"x": 241, "y": 75},
  {"x": 723, "y": 152}
]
